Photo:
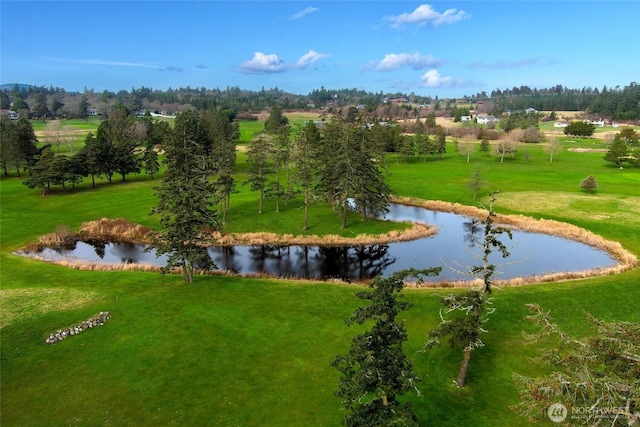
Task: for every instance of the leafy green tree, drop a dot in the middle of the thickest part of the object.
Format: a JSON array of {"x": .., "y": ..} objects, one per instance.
[
  {"x": 260, "y": 167},
  {"x": 618, "y": 151},
  {"x": 580, "y": 129},
  {"x": 376, "y": 372},
  {"x": 629, "y": 135},
  {"x": 185, "y": 200},
  {"x": 599, "y": 373},
  {"x": 21, "y": 106}
]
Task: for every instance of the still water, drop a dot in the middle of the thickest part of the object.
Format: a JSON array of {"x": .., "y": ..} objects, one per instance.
[{"x": 454, "y": 248}]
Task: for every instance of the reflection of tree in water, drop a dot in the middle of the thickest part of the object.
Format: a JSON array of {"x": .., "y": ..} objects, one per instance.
[
  {"x": 359, "y": 263},
  {"x": 471, "y": 229},
  {"x": 260, "y": 257},
  {"x": 304, "y": 268},
  {"x": 98, "y": 247},
  {"x": 127, "y": 252},
  {"x": 372, "y": 260},
  {"x": 202, "y": 260},
  {"x": 227, "y": 257}
]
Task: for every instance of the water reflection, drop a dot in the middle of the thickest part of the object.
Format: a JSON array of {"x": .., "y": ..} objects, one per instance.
[{"x": 455, "y": 245}]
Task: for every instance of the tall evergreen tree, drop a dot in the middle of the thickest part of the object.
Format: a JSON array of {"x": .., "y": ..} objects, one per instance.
[
  {"x": 91, "y": 156},
  {"x": 150, "y": 160},
  {"x": 618, "y": 151},
  {"x": 42, "y": 172},
  {"x": 185, "y": 199},
  {"x": 275, "y": 121},
  {"x": 468, "y": 310},
  {"x": 223, "y": 134},
  {"x": 376, "y": 371},
  {"x": 18, "y": 145},
  {"x": 260, "y": 167},
  {"x": 305, "y": 153}
]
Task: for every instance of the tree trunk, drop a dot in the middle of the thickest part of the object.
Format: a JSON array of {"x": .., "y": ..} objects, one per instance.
[
  {"x": 306, "y": 216},
  {"x": 462, "y": 374}
]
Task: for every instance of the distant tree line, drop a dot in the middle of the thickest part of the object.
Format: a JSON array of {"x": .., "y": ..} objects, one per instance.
[{"x": 618, "y": 103}]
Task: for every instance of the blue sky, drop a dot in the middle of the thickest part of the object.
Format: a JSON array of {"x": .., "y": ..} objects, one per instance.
[{"x": 448, "y": 49}]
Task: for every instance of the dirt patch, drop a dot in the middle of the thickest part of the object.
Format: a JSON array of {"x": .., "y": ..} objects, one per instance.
[{"x": 588, "y": 150}]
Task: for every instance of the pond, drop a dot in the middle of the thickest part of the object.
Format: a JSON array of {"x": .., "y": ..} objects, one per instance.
[{"x": 454, "y": 248}]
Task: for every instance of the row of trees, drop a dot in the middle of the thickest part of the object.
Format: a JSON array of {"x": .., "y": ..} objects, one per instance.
[
  {"x": 340, "y": 164},
  {"x": 619, "y": 103}
]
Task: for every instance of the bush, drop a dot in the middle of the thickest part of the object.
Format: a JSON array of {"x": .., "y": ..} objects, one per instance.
[
  {"x": 589, "y": 184},
  {"x": 532, "y": 135}
]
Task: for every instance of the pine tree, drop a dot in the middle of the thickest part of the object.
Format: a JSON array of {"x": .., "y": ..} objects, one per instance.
[
  {"x": 150, "y": 160},
  {"x": 259, "y": 166},
  {"x": 468, "y": 310},
  {"x": 305, "y": 153},
  {"x": 618, "y": 151},
  {"x": 185, "y": 199},
  {"x": 376, "y": 372},
  {"x": 599, "y": 373}
]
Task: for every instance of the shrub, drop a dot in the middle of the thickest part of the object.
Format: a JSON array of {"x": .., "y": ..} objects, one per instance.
[{"x": 589, "y": 184}]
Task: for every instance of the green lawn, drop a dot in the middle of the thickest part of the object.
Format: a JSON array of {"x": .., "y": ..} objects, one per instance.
[{"x": 245, "y": 352}]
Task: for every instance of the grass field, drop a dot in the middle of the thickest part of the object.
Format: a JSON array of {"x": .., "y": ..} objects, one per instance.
[{"x": 234, "y": 351}]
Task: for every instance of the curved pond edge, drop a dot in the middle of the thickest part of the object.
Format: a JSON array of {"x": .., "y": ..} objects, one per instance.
[{"x": 136, "y": 234}]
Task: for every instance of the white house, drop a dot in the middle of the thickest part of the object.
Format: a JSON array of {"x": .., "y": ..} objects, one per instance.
[
  {"x": 560, "y": 125},
  {"x": 465, "y": 118},
  {"x": 599, "y": 123},
  {"x": 484, "y": 119}
]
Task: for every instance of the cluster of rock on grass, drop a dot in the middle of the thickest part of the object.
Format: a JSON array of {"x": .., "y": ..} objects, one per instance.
[{"x": 93, "y": 322}]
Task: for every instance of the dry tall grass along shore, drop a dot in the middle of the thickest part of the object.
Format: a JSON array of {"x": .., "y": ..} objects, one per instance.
[{"x": 122, "y": 231}]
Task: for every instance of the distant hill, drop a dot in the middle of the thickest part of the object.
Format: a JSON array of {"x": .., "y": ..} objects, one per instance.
[{"x": 10, "y": 86}]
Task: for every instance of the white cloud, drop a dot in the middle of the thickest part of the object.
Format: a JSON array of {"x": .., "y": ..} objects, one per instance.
[
  {"x": 425, "y": 15},
  {"x": 432, "y": 78},
  {"x": 111, "y": 63},
  {"x": 261, "y": 63},
  {"x": 309, "y": 58},
  {"x": 304, "y": 12},
  {"x": 393, "y": 61}
]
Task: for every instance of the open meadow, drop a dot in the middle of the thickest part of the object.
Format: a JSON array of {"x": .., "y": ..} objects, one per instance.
[{"x": 235, "y": 351}]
